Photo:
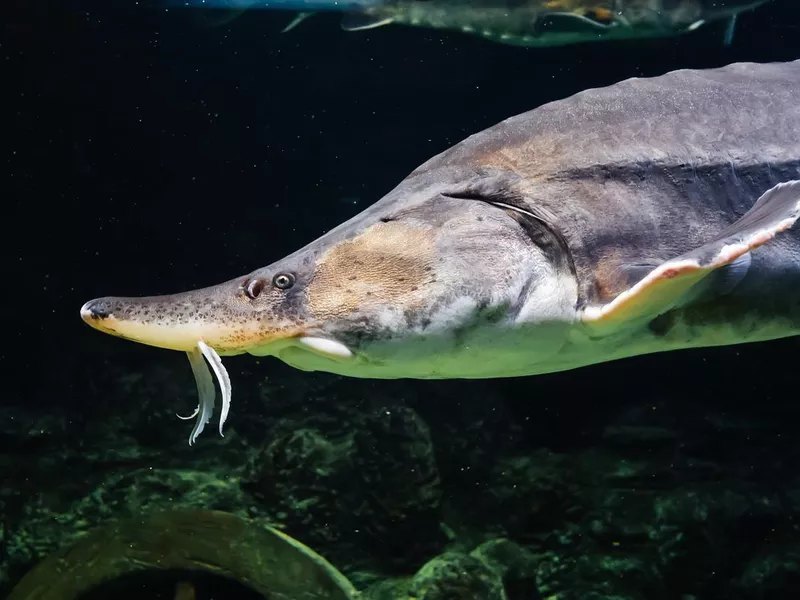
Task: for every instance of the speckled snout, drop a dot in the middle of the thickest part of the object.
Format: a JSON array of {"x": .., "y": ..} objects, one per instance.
[
  {"x": 97, "y": 309},
  {"x": 218, "y": 316}
]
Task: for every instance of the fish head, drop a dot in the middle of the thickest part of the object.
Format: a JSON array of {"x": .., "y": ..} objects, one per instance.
[{"x": 430, "y": 282}]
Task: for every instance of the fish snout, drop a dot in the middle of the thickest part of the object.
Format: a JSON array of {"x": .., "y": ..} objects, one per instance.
[
  {"x": 214, "y": 315},
  {"x": 97, "y": 309}
]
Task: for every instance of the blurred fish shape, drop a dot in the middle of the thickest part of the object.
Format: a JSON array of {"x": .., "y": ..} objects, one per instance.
[{"x": 530, "y": 23}]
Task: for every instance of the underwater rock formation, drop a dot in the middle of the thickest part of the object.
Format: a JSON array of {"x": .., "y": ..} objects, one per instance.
[
  {"x": 426, "y": 489},
  {"x": 369, "y": 475},
  {"x": 456, "y": 576}
]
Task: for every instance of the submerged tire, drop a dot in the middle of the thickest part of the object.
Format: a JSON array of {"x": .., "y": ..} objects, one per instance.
[{"x": 264, "y": 559}]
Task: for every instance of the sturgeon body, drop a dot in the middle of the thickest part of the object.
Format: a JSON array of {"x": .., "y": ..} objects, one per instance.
[
  {"x": 548, "y": 23},
  {"x": 652, "y": 215},
  {"x": 528, "y": 23}
]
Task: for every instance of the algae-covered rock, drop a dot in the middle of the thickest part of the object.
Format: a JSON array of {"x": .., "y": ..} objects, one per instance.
[
  {"x": 774, "y": 571},
  {"x": 526, "y": 494},
  {"x": 392, "y": 588},
  {"x": 496, "y": 570},
  {"x": 516, "y": 565},
  {"x": 363, "y": 484},
  {"x": 457, "y": 576},
  {"x": 602, "y": 574},
  {"x": 656, "y": 503}
]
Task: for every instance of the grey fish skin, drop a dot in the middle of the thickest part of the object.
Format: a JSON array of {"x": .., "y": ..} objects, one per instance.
[
  {"x": 648, "y": 216},
  {"x": 692, "y": 147},
  {"x": 549, "y": 23},
  {"x": 639, "y": 172}
]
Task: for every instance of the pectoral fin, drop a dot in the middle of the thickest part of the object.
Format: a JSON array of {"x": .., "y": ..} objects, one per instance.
[
  {"x": 696, "y": 25},
  {"x": 296, "y": 21},
  {"x": 329, "y": 348},
  {"x": 671, "y": 282},
  {"x": 730, "y": 29},
  {"x": 358, "y": 22},
  {"x": 573, "y": 22}
]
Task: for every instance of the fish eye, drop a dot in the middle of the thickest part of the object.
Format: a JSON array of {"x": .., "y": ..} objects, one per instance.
[
  {"x": 283, "y": 281},
  {"x": 254, "y": 288}
]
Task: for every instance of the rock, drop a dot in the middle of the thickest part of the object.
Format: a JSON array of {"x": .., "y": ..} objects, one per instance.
[
  {"x": 773, "y": 572},
  {"x": 388, "y": 589},
  {"x": 362, "y": 485},
  {"x": 600, "y": 575},
  {"x": 457, "y": 576},
  {"x": 516, "y": 565},
  {"x": 662, "y": 501},
  {"x": 524, "y": 496}
]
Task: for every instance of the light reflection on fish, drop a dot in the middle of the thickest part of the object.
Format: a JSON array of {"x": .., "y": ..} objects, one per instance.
[{"x": 531, "y": 23}]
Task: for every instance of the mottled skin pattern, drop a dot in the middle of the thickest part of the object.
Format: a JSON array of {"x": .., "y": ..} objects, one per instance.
[
  {"x": 479, "y": 263},
  {"x": 539, "y": 23},
  {"x": 222, "y": 315}
]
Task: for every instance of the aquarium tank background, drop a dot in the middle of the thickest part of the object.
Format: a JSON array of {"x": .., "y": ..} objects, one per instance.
[{"x": 150, "y": 149}]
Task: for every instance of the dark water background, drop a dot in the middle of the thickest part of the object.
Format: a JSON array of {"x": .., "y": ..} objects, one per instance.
[{"x": 147, "y": 152}]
